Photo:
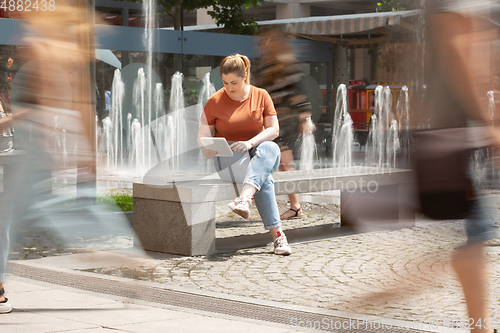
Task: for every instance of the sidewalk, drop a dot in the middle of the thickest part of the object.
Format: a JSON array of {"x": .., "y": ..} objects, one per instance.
[
  {"x": 41, "y": 306},
  {"x": 400, "y": 277},
  {"x": 45, "y": 307}
]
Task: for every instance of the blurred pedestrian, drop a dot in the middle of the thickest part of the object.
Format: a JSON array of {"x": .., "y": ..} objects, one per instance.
[
  {"x": 456, "y": 89},
  {"x": 46, "y": 101},
  {"x": 281, "y": 75}
]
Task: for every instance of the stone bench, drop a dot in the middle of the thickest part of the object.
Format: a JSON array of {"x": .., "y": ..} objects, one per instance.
[{"x": 179, "y": 217}]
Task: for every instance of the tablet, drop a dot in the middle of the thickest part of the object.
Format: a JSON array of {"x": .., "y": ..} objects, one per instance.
[{"x": 218, "y": 144}]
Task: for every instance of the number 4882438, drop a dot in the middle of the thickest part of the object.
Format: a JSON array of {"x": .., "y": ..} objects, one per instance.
[{"x": 28, "y": 5}]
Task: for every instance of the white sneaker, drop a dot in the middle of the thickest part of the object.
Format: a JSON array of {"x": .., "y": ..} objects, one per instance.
[
  {"x": 281, "y": 246},
  {"x": 5, "y": 306},
  {"x": 241, "y": 206}
]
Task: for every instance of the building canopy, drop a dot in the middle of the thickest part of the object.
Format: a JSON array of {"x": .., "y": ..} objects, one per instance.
[{"x": 356, "y": 30}]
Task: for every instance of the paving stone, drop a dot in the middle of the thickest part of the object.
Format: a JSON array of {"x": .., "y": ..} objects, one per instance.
[{"x": 400, "y": 274}]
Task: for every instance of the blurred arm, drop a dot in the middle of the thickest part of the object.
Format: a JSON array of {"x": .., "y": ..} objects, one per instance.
[
  {"x": 453, "y": 39},
  {"x": 11, "y": 121},
  {"x": 452, "y": 42}
]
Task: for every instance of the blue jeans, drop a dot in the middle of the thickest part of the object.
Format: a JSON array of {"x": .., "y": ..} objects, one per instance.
[
  {"x": 481, "y": 216},
  {"x": 255, "y": 168},
  {"x": 30, "y": 171},
  {"x": 479, "y": 221}
]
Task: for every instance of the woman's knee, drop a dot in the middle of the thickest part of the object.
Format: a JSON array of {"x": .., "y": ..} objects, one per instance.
[
  {"x": 269, "y": 151},
  {"x": 270, "y": 147}
]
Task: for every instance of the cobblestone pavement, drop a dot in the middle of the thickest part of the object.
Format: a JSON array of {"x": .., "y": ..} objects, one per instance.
[
  {"x": 400, "y": 274},
  {"x": 230, "y": 224}
]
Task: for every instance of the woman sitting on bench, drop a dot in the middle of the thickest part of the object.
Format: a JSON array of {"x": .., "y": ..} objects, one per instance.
[{"x": 245, "y": 116}]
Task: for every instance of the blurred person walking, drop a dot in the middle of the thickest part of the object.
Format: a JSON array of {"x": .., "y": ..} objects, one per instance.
[
  {"x": 48, "y": 100},
  {"x": 458, "y": 79},
  {"x": 281, "y": 75},
  {"x": 41, "y": 97},
  {"x": 5, "y": 306}
]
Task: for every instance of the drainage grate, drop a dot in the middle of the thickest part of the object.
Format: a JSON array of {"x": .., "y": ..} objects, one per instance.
[{"x": 206, "y": 303}]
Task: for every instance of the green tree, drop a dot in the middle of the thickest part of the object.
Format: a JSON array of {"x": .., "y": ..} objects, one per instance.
[
  {"x": 395, "y": 5},
  {"x": 225, "y": 12},
  {"x": 391, "y": 56}
]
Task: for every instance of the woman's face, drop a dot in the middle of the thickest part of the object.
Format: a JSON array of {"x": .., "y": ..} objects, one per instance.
[{"x": 235, "y": 85}]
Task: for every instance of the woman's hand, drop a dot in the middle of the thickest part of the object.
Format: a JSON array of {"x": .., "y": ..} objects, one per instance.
[
  {"x": 241, "y": 146},
  {"x": 209, "y": 154}
]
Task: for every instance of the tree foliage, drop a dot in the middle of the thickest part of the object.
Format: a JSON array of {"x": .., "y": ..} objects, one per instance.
[
  {"x": 391, "y": 56},
  {"x": 225, "y": 12},
  {"x": 230, "y": 13},
  {"x": 395, "y": 5}
]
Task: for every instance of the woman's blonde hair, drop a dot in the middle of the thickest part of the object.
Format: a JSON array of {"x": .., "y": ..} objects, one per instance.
[{"x": 237, "y": 64}]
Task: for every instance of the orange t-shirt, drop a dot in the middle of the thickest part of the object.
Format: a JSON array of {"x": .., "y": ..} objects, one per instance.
[{"x": 238, "y": 121}]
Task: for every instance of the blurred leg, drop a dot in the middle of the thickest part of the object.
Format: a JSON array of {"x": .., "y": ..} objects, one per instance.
[
  {"x": 12, "y": 174},
  {"x": 469, "y": 265},
  {"x": 469, "y": 262},
  {"x": 4, "y": 250}
]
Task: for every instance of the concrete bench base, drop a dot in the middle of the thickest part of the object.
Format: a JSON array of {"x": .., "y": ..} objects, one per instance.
[
  {"x": 175, "y": 220},
  {"x": 178, "y": 236},
  {"x": 180, "y": 219}
]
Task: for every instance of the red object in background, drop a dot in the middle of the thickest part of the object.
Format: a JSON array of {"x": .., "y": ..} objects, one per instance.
[
  {"x": 356, "y": 83},
  {"x": 117, "y": 20},
  {"x": 357, "y": 97},
  {"x": 358, "y": 107},
  {"x": 359, "y": 120}
]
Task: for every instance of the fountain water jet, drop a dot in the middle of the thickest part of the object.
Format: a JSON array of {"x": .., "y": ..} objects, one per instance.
[
  {"x": 342, "y": 131},
  {"x": 176, "y": 134},
  {"x": 159, "y": 102},
  {"x": 382, "y": 145},
  {"x": 207, "y": 89},
  {"x": 139, "y": 96},
  {"x": 403, "y": 113},
  {"x": 149, "y": 7},
  {"x": 393, "y": 144},
  {"x": 117, "y": 94},
  {"x": 484, "y": 161},
  {"x": 308, "y": 149},
  {"x": 136, "y": 145},
  {"x": 107, "y": 138}
]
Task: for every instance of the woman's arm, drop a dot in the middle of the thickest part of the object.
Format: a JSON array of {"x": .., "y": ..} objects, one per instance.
[
  {"x": 271, "y": 131},
  {"x": 206, "y": 130}
]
